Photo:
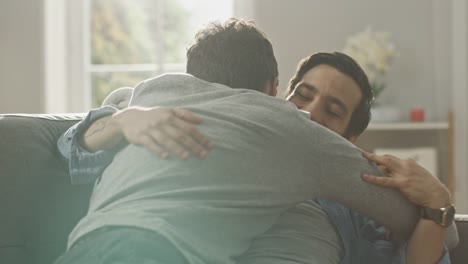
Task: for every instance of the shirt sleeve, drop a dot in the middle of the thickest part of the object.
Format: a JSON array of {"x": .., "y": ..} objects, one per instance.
[
  {"x": 364, "y": 239},
  {"x": 400, "y": 256},
  {"x": 85, "y": 167}
]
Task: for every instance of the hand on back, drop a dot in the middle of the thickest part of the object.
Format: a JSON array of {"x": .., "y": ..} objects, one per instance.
[
  {"x": 412, "y": 180},
  {"x": 163, "y": 131}
]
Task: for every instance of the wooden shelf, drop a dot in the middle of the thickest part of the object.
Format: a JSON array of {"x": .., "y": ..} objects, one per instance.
[
  {"x": 408, "y": 126},
  {"x": 446, "y": 126}
]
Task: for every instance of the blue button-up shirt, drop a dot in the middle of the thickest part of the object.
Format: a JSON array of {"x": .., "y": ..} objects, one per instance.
[
  {"x": 363, "y": 239},
  {"x": 85, "y": 167}
]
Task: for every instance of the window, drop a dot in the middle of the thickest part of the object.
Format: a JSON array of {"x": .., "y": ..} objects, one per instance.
[{"x": 129, "y": 41}]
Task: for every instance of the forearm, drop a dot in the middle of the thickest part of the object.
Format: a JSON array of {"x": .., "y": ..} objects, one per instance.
[
  {"x": 388, "y": 207},
  {"x": 103, "y": 134},
  {"x": 426, "y": 244},
  {"x": 84, "y": 167}
]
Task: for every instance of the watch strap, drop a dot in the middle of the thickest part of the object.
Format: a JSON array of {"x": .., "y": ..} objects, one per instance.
[{"x": 442, "y": 216}]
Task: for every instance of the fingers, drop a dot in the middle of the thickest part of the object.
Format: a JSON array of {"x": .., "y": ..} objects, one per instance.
[
  {"x": 187, "y": 141},
  {"x": 175, "y": 132},
  {"x": 152, "y": 146},
  {"x": 168, "y": 131},
  {"x": 387, "y": 164},
  {"x": 183, "y": 132},
  {"x": 384, "y": 170},
  {"x": 390, "y": 162},
  {"x": 186, "y": 115},
  {"x": 163, "y": 145},
  {"x": 412, "y": 180},
  {"x": 192, "y": 132},
  {"x": 381, "y": 181}
]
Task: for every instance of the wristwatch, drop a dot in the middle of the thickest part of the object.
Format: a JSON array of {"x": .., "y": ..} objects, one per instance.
[{"x": 442, "y": 216}]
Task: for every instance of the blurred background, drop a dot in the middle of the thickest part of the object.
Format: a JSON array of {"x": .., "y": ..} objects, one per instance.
[{"x": 65, "y": 56}]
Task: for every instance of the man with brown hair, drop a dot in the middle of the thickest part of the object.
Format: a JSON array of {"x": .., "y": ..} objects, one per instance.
[{"x": 268, "y": 157}]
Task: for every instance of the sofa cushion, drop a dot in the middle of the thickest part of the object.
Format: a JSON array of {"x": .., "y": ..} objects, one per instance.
[
  {"x": 38, "y": 207},
  {"x": 460, "y": 253}
]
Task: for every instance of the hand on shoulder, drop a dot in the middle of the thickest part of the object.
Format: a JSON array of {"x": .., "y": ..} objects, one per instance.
[{"x": 412, "y": 180}]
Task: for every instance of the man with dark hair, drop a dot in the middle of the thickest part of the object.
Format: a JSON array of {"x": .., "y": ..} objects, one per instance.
[
  {"x": 236, "y": 54},
  {"x": 361, "y": 115},
  {"x": 337, "y": 94},
  {"x": 149, "y": 210},
  {"x": 218, "y": 50}
]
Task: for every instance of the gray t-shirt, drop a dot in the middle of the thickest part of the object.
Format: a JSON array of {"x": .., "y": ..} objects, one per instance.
[
  {"x": 303, "y": 234},
  {"x": 268, "y": 157}
]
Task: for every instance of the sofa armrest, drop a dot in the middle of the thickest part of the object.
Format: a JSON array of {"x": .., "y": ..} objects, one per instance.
[
  {"x": 459, "y": 255},
  {"x": 38, "y": 205}
]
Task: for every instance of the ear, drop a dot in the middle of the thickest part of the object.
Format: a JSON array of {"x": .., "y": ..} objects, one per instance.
[
  {"x": 353, "y": 138},
  {"x": 273, "y": 87}
]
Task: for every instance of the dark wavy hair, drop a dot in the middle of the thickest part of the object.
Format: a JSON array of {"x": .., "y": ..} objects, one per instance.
[
  {"x": 236, "y": 54},
  {"x": 346, "y": 65}
]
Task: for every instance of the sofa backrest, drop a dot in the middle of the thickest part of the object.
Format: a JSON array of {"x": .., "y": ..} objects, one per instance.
[{"x": 38, "y": 205}]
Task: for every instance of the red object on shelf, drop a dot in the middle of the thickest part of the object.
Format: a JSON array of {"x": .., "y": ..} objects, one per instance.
[{"x": 417, "y": 115}]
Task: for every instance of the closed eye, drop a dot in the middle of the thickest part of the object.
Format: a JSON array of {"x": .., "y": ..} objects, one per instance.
[
  {"x": 301, "y": 96},
  {"x": 334, "y": 114},
  {"x": 335, "y": 111}
]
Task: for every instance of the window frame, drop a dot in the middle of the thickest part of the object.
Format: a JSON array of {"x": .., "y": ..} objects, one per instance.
[{"x": 67, "y": 59}]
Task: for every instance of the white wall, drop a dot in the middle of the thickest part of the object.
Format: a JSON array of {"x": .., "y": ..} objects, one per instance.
[
  {"x": 21, "y": 56},
  {"x": 420, "y": 76},
  {"x": 460, "y": 99},
  {"x": 431, "y": 37},
  {"x": 420, "y": 28}
]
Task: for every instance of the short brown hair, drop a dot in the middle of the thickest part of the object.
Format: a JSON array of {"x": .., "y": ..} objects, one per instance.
[{"x": 236, "y": 54}]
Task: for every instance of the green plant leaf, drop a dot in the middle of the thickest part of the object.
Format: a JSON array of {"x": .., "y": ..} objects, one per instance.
[{"x": 377, "y": 88}]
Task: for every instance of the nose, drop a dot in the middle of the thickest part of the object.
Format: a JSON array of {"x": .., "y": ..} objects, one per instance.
[
  {"x": 316, "y": 110},
  {"x": 317, "y": 118}
]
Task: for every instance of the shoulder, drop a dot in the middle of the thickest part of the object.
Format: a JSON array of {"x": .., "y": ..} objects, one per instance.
[
  {"x": 119, "y": 98},
  {"x": 176, "y": 78}
]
